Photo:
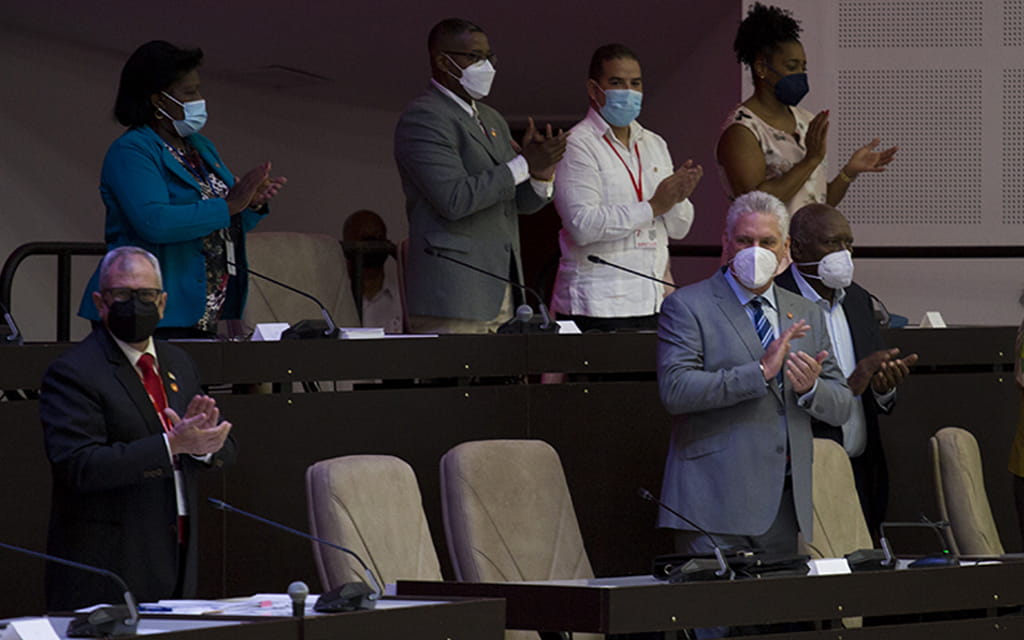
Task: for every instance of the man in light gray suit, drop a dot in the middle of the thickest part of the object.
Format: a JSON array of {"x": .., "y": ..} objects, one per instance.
[
  {"x": 466, "y": 182},
  {"x": 743, "y": 366}
]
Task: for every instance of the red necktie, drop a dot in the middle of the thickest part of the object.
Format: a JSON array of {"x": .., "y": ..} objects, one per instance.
[{"x": 154, "y": 387}]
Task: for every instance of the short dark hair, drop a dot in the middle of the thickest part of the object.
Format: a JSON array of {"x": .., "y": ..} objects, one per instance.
[
  {"x": 613, "y": 51},
  {"x": 449, "y": 28},
  {"x": 762, "y": 31},
  {"x": 153, "y": 67}
]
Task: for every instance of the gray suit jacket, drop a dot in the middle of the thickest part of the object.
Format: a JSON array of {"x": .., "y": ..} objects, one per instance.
[
  {"x": 727, "y": 459},
  {"x": 461, "y": 200}
]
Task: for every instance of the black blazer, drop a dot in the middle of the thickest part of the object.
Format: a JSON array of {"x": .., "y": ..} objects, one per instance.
[
  {"x": 869, "y": 468},
  {"x": 113, "y": 501}
]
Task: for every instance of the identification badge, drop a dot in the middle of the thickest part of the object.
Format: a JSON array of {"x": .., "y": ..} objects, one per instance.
[
  {"x": 645, "y": 238},
  {"x": 229, "y": 252}
]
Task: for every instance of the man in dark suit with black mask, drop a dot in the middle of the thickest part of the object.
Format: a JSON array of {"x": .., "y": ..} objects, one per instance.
[{"x": 127, "y": 429}]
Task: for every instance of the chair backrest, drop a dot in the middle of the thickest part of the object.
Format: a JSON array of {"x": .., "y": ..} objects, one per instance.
[
  {"x": 839, "y": 525},
  {"x": 310, "y": 262},
  {"x": 372, "y": 505},
  {"x": 960, "y": 490},
  {"x": 508, "y": 514}
]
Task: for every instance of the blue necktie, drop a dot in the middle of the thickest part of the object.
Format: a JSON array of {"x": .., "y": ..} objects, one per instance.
[{"x": 763, "y": 328}]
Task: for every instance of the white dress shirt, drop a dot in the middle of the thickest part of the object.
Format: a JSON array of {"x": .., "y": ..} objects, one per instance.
[
  {"x": 384, "y": 310},
  {"x": 855, "y": 432},
  {"x": 603, "y": 214}
]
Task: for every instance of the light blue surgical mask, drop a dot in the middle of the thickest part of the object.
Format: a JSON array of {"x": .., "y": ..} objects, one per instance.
[
  {"x": 195, "y": 116},
  {"x": 621, "y": 106}
]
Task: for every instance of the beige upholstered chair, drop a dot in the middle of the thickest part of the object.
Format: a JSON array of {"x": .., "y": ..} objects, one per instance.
[
  {"x": 508, "y": 515},
  {"x": 839, "y": 525},
  {"x": 960, "y": 489},
  {"x": 372, "y": 505},
  {"x": 311, "y": 262}
]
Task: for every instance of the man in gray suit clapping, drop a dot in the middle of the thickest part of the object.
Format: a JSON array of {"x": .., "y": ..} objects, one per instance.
[
  {"x": 466, "y": 182},
  {"x": 743, "y": 366}
]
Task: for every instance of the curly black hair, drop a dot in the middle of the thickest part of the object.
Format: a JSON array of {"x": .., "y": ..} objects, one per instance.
[{"x": 762, "y": 31}]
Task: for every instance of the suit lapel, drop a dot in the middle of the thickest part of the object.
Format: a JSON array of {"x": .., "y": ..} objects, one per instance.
[
  {"x": 172, "y": 164},
  {"x": 737, "y": 316},
  {"x": 175, "y": 398},
  {"x": 470, "y": 124},
  {"x": 128, "y": 377}
]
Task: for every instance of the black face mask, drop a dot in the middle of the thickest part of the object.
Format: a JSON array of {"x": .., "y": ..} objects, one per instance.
[{"x": 132, "y": 320}]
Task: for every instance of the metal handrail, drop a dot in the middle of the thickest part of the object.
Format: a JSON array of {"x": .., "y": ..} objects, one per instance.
[{"x": 64, "y": 252}]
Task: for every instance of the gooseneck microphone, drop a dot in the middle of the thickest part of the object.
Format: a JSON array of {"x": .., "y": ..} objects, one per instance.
[
  {"x": 107, "y": 621},
  {"x": 521, "y": 314},
  {"x": 600, "y": 260},
  {"x": 343, "y": 598},
  {"x": 15, "y": 336},
  {"x": 331, "y": 331},
  {"x": 724, "y": 571}
]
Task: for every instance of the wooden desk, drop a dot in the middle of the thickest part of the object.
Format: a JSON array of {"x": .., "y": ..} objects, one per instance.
[
  {"x": 640, "y": 603},
  {"x": 393, "y": 619}
]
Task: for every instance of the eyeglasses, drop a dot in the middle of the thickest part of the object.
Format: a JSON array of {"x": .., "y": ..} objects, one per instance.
[
  {"x": 124, "y": 294},
  {"x": 475, "y": 57}
]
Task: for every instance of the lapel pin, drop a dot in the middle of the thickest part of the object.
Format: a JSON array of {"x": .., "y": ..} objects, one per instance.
[
  {"x": 494, "y": 134},
  {"x": 171, "y": 375},
  {"x": 174, "y": 387},
  {"x": 789, "y": 315}
]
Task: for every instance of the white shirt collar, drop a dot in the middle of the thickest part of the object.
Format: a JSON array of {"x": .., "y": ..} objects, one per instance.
[
  {"x": 134, "y": 354},
  {"x": 601, "y": 127},
  {"x": 469, "y": 108},
  {"x": 745, "y": 295},
  {"x": 809, "y": 292}
]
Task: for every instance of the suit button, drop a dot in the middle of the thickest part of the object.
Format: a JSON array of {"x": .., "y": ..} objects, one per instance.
[
  {"x": 780, "y": 449},
  {"x": 508, "y": 246},
  {"x": 781, "y": 411}
]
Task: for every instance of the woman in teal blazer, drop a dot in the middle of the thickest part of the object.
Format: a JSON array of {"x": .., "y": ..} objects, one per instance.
[{"x": 167, "y": 190}]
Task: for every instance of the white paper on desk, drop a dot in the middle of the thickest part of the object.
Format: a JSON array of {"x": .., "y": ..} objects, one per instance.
[
  {"x": 29, "y": 629},
  {"x": 361, "y": 333}
]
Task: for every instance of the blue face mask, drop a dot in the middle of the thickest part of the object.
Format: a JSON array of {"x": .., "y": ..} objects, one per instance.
[
  {"x": 621, "y": 106},
  {"x": 195, "y": 116},
  {"x": 791, "y": 89}
]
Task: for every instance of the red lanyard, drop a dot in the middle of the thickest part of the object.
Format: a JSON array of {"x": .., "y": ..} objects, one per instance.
[{"x": 638, "y": 185}]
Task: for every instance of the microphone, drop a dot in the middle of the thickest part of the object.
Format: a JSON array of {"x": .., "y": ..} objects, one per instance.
[
  {"x": 14, "y": 336},
  {"x": 600, "y": 260},
  {"x": 546, "y": 323},
  {"x": 298, "y": 591},
  {"x": 940, "y": 527},
  {"x": 347, "y": 597},
  {"x": 693, "y": 573},
  {"x": 107, "y": 621},
  {"x": 304, "y": 328}
]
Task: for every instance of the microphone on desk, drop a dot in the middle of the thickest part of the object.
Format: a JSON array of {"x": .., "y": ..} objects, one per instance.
[
  {"x": 694, "y": 569},
  {"x": 350, "y": 596},
  {"x": 944, "y": 557},
  {"x": 14, "y": 336},
  {"x": 103, "y": 622},
  {"x": 600, "y": 260},
  {"x": 520, "y": 323},
  {"x": 303, "y": 328},
  {"x": 298, "y": 591}
]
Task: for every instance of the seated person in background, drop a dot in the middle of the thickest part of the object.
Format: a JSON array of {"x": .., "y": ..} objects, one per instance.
[
  {"x": 822, "y": 272},
  {"x": 126, "y": 430},
  {"x": 618, "y": 198},
  {"x": 377, "y": 284}
]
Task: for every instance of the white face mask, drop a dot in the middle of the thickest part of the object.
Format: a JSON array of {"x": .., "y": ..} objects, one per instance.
[
  {"x": 835, "y": 270},
  {"x": 476, "y": 78},
  {"x": 754, "y": 267},
  {"x": 195, "y": 116}
]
